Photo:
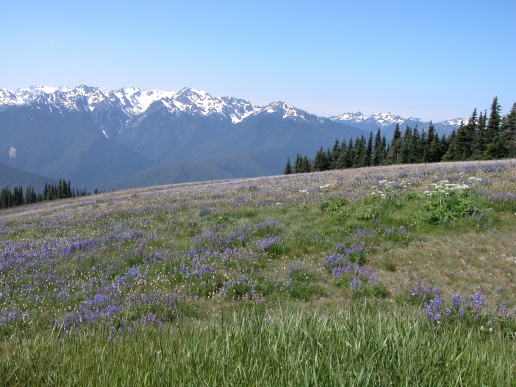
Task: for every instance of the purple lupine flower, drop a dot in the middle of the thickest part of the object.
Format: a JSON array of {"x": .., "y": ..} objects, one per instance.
[
  {"x": 433, "y": 309},
  {"x": 338, "y": 272},
  {"x": 476, "y": 301},
  {"x": 149, "y": 319},
  {"x": 98, "y": 299},
  {"x": 502, "y": 309},
  {"x": 355, "y": 284},
  {"x": 456, "y": 300},
  {"x": 265, "y": 243}
]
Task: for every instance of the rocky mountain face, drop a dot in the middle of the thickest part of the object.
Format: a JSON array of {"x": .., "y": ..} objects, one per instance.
[{"x": 128, "y": 137}]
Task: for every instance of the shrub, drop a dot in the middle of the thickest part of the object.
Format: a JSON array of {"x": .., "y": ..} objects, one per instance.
[{"x": 447, "y": 202}]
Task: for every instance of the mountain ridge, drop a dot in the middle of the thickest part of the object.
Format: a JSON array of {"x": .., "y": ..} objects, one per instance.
[
  {"x": 129, "y": 137},
  {"x": 387, "y": 121},
  {"x": 134, "y": 102}
]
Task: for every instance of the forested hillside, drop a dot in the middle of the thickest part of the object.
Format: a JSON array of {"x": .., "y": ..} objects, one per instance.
[
  {"x": 483, "y": 137},
  {"x": 17, "y": 196}
]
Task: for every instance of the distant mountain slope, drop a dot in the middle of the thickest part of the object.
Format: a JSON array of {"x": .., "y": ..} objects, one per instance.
[
  {"x": 193, "y": 171},
  {"x": 63, "y": 145},
  {"x": 13, "y": 177},
  {"x": 97, "y": 138}
]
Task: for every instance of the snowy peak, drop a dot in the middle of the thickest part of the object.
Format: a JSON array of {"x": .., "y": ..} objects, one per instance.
[
  {"x": 357, "y": 117},
  {"x": 387, "y": 121},
  {"x": 131, "y": 100},
  {"x": 381, "y": 119},
  {"x": 453, "y": 122},
  {"x": 237, "y": 109},
  {"x": 89, "y": 96},
  {"x": 281, "y": 107},
  {"x": 8, "y": 98},
  {"x": 134, "y": 101},
  {"x": 193, "y": 101},
  {"x": 288, "y": 111},
  {"x": 387, "y": 118},
  {"x": 27, "y": 95},
  {"x": 128, "y": 103},
  {"x": 32, "y": 92}
]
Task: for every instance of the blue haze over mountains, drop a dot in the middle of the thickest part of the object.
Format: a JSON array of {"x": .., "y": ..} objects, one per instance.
[{"x": 132, "y": 138}]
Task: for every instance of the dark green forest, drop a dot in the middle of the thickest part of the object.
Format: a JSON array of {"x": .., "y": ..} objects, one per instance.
[
  {"x": 18, "y": 196},
  {"x": 482, "y": 137}
]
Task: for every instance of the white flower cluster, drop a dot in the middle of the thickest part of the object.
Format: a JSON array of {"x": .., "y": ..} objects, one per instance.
[
  {"x": 444, "y": 187},
  {"x": 388, "y": 188}
]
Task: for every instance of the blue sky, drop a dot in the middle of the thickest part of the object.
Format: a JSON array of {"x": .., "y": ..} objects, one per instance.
[{"x": 428, "y": 59}]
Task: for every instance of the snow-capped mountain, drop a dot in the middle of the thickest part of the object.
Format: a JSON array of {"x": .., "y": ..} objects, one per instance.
[
  {"x": 132, "y": 137},
  {"x": 387, "y": 122},
  {"x": 192, "y": 101},
  {"x": 380, "y": 119},
  {"x": 130, "y": 101},
  {"x": 96, "y": 137},
  {"x": 133, "y": 102},
  {"x": 127, "y": 104}
]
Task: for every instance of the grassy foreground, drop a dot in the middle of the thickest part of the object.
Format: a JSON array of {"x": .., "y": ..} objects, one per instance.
[
  {"x": 379, "y": 276},
  {"x": 362, "y": 344}
]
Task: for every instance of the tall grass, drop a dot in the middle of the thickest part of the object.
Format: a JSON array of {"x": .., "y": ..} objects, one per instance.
[{"x": 363, "y": 343}]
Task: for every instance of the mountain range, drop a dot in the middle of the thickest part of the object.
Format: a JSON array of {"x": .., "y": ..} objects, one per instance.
[
  {"x": 388, "y": 121},
  {"x": 131, "y": 137}
]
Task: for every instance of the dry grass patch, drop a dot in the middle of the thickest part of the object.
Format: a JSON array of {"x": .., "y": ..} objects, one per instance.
[{"x": 459, "y": 263}]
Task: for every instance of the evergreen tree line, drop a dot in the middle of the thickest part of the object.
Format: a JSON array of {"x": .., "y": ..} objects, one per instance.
[
  {"x": 17, "y": 196},
  {"x": 480, "y": 138}
]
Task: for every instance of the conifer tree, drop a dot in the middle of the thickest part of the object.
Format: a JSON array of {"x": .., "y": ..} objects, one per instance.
[
  {"x": 334, "y": 155},
  {"x": 5, "y": 197},
  {"x": 471, "y": 130},
  {"x": 493, "y": 124},
  {"x": 298, "y": 164},
  {"x": 368, "y": 153},
  {"x": 461, "y": 143},
  {"x": 432, "y": 148},
  {"x": 384, "y": 150},
  {"x": 508, "y": 129},
  {"x": 320, "y": 162},
  {"x": 451, "y": 153},
  {"x": 392, "y": 156},
  {"x": 422, "y": 146},
  {"x": 416, "y": 156},
  {"x": 342, "y": 159},
  {"x": 480, "y": 141},
  {"x": 306, "y": 165},
  {"x": 405, "y": 147},
  {"x": 359, "y": 152},
  {"x": 30, "y": 195},
  {"x": 288, "y": 168},
  {"x": 378, "y": 151},
  {"x": 350, "y": 154},
  {"x": 492, "y": 139}
]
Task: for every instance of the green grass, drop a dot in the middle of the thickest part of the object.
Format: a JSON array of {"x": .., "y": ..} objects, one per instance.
[
  {"x": 234, "y": 283},
  {"x": 364, "y": 343}
]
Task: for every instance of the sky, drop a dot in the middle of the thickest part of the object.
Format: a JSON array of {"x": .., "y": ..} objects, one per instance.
[{"x": 433, "y": 60}]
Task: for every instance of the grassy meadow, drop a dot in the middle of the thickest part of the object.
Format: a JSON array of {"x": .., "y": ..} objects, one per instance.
[{"x": 398, "y": 275}]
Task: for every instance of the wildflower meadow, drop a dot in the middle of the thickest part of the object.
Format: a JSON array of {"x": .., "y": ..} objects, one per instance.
[{"x": 395, "y": 275}]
